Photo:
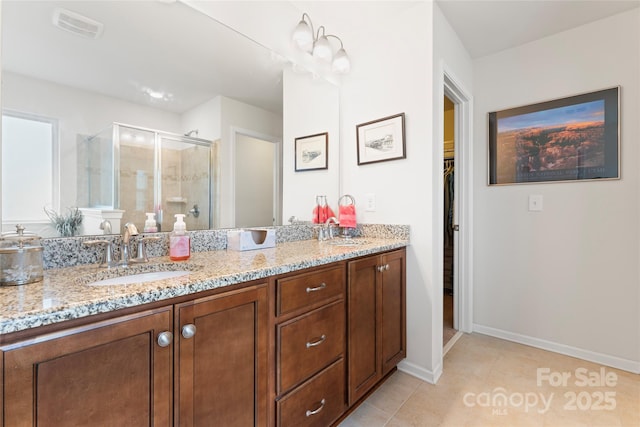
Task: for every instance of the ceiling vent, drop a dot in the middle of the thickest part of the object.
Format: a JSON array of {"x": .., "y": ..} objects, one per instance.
[{"x": 77, "y": 24}]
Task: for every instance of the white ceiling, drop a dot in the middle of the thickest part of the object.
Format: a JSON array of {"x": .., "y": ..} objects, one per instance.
[
  {"x": 168, "y": 46},
  {"x": 163, "y": 46},
  {"x": 487, "y": 27}
]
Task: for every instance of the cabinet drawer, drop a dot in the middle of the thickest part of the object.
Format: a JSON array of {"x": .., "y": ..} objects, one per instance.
[
  {"x": 319, "y": 402},
  {"x": 304, "y": 290},
  {"x": 308, "y": 344}
]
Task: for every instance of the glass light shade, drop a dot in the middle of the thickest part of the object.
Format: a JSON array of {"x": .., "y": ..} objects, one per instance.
[
  {"x": 303, "y": 36},
  {"x": 341, "y": 63},
  {"x": 322, "y": 49}
]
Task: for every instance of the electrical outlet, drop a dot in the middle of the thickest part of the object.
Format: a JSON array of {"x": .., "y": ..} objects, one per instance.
[
  {"x": 370, "y": 205},
  {"x": 535, "y": 202}
]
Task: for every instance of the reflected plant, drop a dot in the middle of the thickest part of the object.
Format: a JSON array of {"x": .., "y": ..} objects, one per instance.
[{"x": 66, "y": 225}]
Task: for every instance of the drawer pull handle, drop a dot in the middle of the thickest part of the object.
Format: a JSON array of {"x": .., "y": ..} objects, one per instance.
[
  {"x": 315, "y": 411},
  {"x": 317, "y": 288},
  {"x": 317, "y": 342}
]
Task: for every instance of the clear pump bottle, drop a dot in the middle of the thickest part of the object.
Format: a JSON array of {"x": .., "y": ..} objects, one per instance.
[
  {"x": 179, "y": 245},
  {"x": 150, "y": 225}
]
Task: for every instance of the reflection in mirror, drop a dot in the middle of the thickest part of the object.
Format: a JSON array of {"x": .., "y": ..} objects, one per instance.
[
  {"x": 129, "y": 174},
  {"x": 153, "y": 65}
]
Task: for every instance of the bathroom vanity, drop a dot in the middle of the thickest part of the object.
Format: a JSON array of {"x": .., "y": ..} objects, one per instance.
[{"x": 295, "y": 335}]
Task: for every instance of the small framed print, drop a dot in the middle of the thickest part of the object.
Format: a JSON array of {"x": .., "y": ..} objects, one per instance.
[
  {"x": 312, "y": 152},
  {"x": 381, "y": 140}
]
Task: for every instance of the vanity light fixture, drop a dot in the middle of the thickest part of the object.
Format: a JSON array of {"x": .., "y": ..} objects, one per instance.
[{"x": 317, "y": 44}]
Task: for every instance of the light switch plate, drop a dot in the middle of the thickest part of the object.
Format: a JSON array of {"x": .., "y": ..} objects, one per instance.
[
  {"x": 370, "y": 203},
  {"x": 535, "y": 203}
]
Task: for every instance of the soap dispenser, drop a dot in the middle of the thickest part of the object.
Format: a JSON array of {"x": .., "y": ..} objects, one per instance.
[
  {"x": 179, "y": 247},
  {"x": 150, "y": 225}
]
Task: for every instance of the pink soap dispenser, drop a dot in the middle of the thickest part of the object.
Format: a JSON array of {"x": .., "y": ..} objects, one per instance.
[{"x": 179, "y": 247}]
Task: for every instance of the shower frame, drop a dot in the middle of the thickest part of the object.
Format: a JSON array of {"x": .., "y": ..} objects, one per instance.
[{"x": 158, "y": 137}]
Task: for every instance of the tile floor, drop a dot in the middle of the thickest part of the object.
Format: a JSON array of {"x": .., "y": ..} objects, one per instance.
[{"x": 479, "y": 370}]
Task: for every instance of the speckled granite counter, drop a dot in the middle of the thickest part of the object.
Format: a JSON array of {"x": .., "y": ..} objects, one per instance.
[{"x": 64, "y": 294}]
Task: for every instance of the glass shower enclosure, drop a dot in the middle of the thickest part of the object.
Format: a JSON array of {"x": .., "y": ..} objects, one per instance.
[{"x": 138, "y": 170}]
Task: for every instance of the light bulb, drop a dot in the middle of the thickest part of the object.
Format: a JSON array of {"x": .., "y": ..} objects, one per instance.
[
  {"x": 341, "y": 63},
  {"x": 322, "y": 49},
  {"x": 303, "y": 36}
]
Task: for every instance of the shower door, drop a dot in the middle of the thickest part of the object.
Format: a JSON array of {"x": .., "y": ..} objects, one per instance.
[
  {"x": 162, "y": 173},
  {"x": 184, "y": 187},
  {"x": 136, "y": 160}
]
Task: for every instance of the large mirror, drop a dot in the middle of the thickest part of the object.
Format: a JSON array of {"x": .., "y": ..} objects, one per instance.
[{"x": 80, "y": 69}]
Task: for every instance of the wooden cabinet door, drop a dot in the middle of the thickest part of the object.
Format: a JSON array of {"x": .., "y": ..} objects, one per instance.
[
  {"x": 221, "y": 377},
  {"x": 377, "y": 320},
  {"x": 363, "y": 319},
  {"x": 393, "y": 339},
  {"x": 111, "y": 373}
]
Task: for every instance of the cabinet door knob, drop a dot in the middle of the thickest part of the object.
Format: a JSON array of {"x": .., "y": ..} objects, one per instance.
[
  {"x": 188, "y": 331},
  {"x": 165, "y": 338},
  {"x": 386, "y": 266},
  {"x": 317, "y": 288},
  {"x": 318, "y": 409},
  {"x": 381, "y": 268},
  {"x": 317, "y": 342}
]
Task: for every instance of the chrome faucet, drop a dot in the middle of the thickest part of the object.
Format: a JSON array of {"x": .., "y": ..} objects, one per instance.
[
  {"x": 105, "y": 225},
  {"x": 128, "y": 231},
  {"x": 330, "y": 224}
]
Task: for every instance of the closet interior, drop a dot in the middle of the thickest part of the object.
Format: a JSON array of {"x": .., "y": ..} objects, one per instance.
[{"x": 449, "y": 205}]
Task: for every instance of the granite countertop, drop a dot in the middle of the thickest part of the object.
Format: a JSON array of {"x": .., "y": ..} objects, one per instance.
[{"x": 64, "y": 294}]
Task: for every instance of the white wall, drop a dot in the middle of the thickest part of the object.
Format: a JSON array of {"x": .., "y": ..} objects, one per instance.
[
  {"x": 565, "y": 278},
  {"x": 79, "y": 113},
  {"x": 205, "y": 118},
  {"x": 393, "y": 74},
  {"x": 311, "y": 107}
]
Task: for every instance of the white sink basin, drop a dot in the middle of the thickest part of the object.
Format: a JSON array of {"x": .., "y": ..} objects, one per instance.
[{"x": 140, "y": 278}]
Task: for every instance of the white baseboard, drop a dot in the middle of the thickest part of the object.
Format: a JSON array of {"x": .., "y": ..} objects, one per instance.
[
  {"x": 419, "y": 372},
  {"x": 591, "y": 356}
]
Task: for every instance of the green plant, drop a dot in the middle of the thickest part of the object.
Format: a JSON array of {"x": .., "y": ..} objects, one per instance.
[{"x": 66, "y": 225}]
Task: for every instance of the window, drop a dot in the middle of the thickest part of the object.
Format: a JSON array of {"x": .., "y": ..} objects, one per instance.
[{"x": 29, "y": 167}]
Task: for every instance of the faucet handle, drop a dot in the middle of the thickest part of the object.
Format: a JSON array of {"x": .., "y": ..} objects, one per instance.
[
  {"x": 108, "y": 260},
  {"x": 141, "y": 256},
  {"x": 322, "y": 233}
]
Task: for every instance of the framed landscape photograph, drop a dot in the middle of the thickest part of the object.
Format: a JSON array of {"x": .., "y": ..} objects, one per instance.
[
  {"x": 381, "y": 140},
  {"x": 312, "y": 152},
  {"x": 567, "y": 139}
]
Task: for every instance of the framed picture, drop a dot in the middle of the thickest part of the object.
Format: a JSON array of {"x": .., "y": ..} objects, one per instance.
[
  {"x": 381, "y": 140},
  {"x": 567, "y": 139},
  {"x": 312, "y": 152}
]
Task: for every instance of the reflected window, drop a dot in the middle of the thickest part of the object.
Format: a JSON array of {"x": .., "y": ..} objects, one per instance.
[{"x": 29, "y": 170}]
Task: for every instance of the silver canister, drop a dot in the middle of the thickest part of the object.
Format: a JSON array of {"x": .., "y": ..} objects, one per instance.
[{"x": 20, "y": 258}]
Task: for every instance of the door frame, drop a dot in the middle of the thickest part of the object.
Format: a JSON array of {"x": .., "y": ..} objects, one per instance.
[
  {"x": 463, "y": 216},
  {"x": 277, "y": 185}
]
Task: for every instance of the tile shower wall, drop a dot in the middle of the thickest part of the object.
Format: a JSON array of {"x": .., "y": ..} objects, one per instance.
[
  {"x": 194, "y": 181},
  {"x": 136, "y": 175}
]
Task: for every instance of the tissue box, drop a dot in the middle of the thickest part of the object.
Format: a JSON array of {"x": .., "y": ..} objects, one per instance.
[{"x": 250, "y": 239}]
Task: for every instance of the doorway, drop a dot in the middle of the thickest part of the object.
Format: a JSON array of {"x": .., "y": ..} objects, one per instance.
[
  {"x": 457, "y": 213},
  {"x": 257, "y": 180},
  {"x": 449, "y": 323}
]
